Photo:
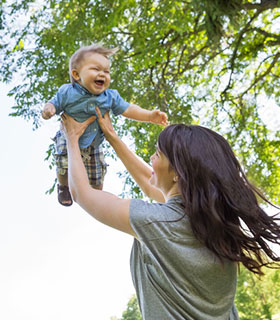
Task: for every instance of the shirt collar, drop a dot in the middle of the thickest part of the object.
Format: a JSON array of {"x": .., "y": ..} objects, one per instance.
[
  {"x": 175, "y": 199},
  {"x": 81, "y": 89}
]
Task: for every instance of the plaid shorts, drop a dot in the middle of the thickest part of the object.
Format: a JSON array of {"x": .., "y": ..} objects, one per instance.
[{"x": 93, "y": 159}]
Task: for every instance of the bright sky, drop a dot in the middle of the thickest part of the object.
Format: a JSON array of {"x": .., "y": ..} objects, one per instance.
[{"x": 56, "y": 262}]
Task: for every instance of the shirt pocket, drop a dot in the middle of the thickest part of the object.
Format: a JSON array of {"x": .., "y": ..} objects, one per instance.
[{"x": 91, "y": 108}]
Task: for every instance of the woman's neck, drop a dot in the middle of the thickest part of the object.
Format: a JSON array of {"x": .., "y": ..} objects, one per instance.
[{"x": 173, "y": 192}]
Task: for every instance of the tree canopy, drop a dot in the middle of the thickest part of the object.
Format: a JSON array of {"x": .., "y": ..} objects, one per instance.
[
  {"x": 214, "y": 63},
  {"x": 258, "y": 298}
]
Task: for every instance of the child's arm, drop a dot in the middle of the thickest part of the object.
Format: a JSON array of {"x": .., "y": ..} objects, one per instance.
[
  {"x": 137, "y": 113},
  {"x": 48, "y": 111}
]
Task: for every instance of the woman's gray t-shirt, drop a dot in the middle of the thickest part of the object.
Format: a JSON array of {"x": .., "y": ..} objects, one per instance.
[{"x": 174, "y": 275}]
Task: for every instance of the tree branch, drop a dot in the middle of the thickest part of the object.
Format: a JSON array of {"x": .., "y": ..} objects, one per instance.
[
  {"x": 264, "y": 74},
  {"x": 266, "y": 34},
  {"x": 264, "y": 5},
  {"x": 232, "y": 60},
  {"x": 191, "y": 58}
]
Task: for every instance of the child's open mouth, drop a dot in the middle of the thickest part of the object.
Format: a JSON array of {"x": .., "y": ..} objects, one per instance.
[{"x": 99, "y": 82}]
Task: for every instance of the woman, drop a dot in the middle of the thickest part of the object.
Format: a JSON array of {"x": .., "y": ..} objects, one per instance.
[{"x": 187, "y": 245}]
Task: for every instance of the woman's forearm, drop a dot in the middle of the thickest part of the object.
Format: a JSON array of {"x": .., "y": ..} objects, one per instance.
[
  {"x": 103, "y": 206},
  {"x": 139, "y": 170},
  {"x": 77, "y": 175}
]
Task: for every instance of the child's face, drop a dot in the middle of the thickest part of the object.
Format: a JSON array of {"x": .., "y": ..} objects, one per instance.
[{"x": 93, "y": 73}]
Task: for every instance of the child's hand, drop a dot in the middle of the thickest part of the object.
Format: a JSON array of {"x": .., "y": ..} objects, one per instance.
[
  {"x": 159, "y": 117},
  {"x": 48, "y": 111}
]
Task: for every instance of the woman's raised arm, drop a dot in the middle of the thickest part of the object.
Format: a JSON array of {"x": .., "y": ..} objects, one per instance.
[
  {"x": 103, "y": 206},
  {"x": 139, "y": 170}
]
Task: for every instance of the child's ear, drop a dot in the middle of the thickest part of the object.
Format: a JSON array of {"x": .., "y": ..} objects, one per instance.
[{"x": 75, "y": 75}]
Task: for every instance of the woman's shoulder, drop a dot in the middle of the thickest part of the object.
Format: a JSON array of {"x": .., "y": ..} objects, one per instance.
[
  {"x": 162, "y": 222},
  {"x": 144, "y": 212}
]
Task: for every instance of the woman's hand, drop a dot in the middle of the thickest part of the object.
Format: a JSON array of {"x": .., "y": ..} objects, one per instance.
[
  {"x": 73, "y": 129},
  {"x": 106, "y": 124}
]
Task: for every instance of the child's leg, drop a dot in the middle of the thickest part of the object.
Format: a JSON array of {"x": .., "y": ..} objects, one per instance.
[
  {"x": 95, "y": 165},
  {"x": 62, "y": 179},
  {"x": 100, "y": 187},
  {"x": 63, "y": 193}
]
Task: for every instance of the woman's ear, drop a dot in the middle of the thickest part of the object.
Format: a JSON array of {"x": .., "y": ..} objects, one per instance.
[{"x": 75, "y": 74}]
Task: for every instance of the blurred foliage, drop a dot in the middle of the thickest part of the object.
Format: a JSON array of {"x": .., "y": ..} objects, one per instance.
[
  {"x": 215, "y": 63},
  {"x": 258, "y": 298},
  {"x": 132, "y": 311}
]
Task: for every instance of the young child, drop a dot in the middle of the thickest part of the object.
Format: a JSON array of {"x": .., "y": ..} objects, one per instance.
[{"x": 89, "y": 70}]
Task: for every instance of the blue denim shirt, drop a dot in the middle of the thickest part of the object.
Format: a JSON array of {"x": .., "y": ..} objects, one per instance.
[{"x": 80, "y": 104}]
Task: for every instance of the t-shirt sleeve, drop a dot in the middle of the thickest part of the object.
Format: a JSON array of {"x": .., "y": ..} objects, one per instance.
[
  {"x": 148, "y": 220},
  {"x": 59, "y": 100},
  {"x": 119, "y": 104}
]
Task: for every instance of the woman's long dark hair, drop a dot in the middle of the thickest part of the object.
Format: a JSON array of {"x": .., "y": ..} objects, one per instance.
[{"x": 220, "y": 202}]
